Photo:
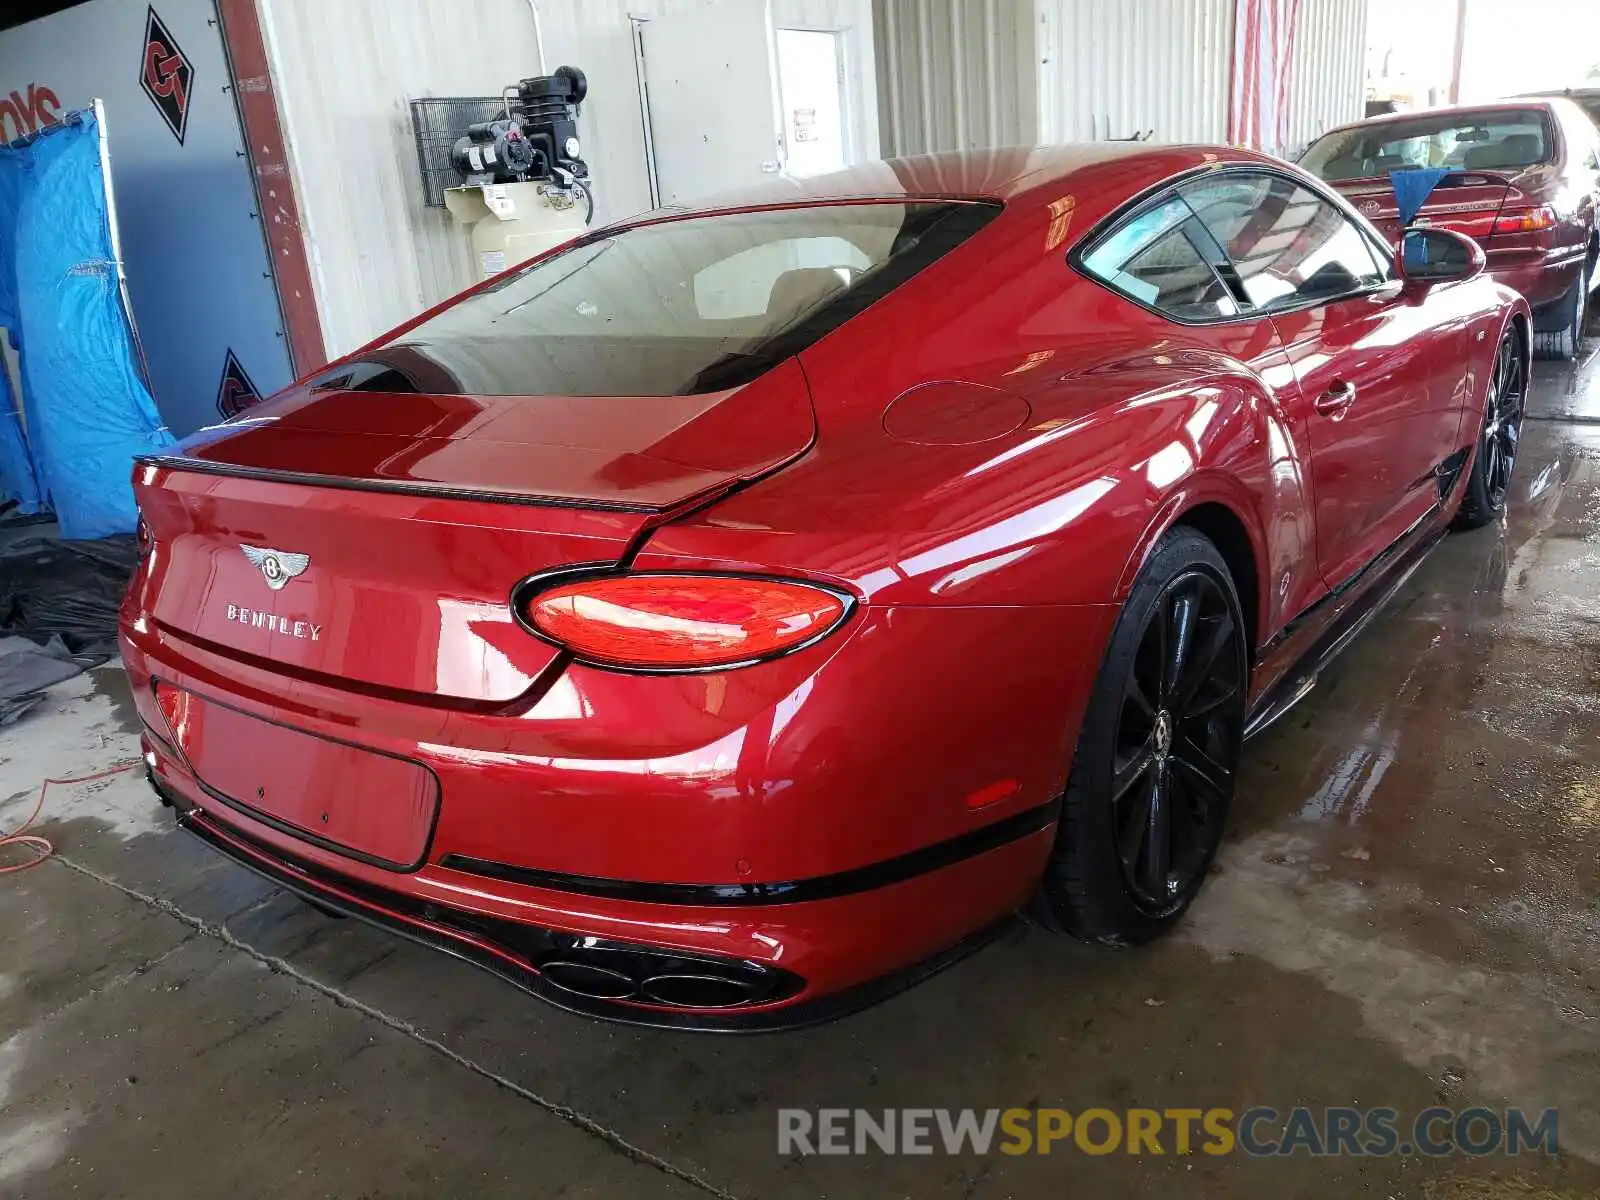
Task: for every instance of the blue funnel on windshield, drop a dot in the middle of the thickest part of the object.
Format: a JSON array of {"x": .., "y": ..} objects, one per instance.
[{"x": 1412, "y": 188}]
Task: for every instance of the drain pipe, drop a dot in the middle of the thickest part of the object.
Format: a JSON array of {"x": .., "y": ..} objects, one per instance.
[
  {"x": 1460, "y": 51},
  {"x": 538, "y": 33}
]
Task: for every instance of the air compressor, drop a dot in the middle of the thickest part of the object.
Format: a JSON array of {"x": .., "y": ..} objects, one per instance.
[{"x": 524, "y": 185}]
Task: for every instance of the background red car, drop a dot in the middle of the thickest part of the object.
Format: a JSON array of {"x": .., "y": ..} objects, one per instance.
[
  {"x": 1587, "y": 99},
  {"x": 1526, "y": 187},
  {"x": 734, "y": 614}
]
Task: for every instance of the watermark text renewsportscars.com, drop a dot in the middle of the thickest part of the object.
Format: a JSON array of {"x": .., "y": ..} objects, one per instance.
[{"x": 1258, "y": 1132}]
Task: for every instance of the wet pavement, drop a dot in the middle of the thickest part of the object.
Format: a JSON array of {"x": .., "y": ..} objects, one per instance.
[{"x": 1406, "y": 914}]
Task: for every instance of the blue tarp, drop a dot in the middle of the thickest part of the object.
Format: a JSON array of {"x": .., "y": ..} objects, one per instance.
[
  {"x": 16, "y": 465},
  {"x": 17, "y": 480},
  {"x": 1412, "y": 187},
  {"x": 88, "y": 412}
]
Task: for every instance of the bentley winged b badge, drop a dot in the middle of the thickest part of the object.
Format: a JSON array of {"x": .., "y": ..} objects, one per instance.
[{"x": 277, "y": 566}]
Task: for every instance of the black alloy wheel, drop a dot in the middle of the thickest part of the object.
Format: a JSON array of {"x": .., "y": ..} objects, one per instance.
[
  {"x": 1173, "y": 773},
  {"x": 1153, "y": 777},
  {"x": 1502, "y": 423},
  {"x": 1496, "y": 458}
]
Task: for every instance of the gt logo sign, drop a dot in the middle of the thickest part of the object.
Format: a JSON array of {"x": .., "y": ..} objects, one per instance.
[
  {"x": 166, "y": 75},
  {"x": 236, "y": 393},
  {"x": 21, "y": 115}
]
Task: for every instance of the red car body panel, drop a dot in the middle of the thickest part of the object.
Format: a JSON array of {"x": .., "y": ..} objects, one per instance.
[
  {"x": 1540, "y": 265},
  {"x": 623, "y": 459},
  {"x": 982, "y": 459},
  {"x": 628, "y": 452}
]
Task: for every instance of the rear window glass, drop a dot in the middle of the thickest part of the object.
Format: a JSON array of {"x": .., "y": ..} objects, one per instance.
[
  {"x": 675, "y": 308},
  {"x": 1489, "y": 141}
]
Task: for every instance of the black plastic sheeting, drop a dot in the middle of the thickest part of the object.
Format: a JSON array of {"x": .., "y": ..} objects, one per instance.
[
  {"x": 62, "y": 597},
  {"x": 26, "y": 669}
]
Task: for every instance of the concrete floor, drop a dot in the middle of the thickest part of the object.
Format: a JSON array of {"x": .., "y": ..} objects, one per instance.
[{"x": 1407, "y": 913}]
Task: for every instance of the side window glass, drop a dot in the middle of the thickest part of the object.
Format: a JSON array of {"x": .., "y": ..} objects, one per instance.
[
  {"x": 1151, "y": 259},
  {"x": 1289, "y": 246}
]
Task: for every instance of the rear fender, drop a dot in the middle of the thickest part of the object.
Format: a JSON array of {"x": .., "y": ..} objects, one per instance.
[
  {"x": 1061, "y": 510},
  {"x": 1209, "y": 485}
]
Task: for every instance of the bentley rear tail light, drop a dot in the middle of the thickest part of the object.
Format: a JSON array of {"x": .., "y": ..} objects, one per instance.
[
  {"x": 1525, "y": 220},
  {"x": 659, "y": 621}
]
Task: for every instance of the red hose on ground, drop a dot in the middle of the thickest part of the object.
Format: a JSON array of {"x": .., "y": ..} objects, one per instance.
[{"x": 41, "y": 847}]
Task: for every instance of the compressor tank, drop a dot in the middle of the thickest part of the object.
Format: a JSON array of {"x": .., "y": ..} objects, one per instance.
[{"x": 513, "y": 222}]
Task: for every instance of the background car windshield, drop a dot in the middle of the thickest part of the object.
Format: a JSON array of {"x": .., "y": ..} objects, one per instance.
[
  {"x": 674, "y": 308},
  {"x": 1492, "y": 141}
]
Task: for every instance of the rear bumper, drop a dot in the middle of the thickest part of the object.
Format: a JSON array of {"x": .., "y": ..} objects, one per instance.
[
  {"x": 837, "y": 955},
  {"x": 533, "y": 958},
  {"x": 839, "y": 864},
  {"x": 1532, "y": 275}
]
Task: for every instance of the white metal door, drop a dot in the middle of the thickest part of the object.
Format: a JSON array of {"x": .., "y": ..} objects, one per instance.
[
  {"x": 710, "y": 76},
  {"x": 811, "y": 83}
]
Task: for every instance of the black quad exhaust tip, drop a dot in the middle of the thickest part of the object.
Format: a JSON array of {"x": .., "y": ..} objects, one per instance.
[
  {"x": 699, "y": 991},
  {"x": 606, "y": 970},
  {"x": 589, "y": 980}
]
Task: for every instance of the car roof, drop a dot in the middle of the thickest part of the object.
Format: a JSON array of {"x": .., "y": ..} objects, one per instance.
[{"x": 1008, "y": 174}]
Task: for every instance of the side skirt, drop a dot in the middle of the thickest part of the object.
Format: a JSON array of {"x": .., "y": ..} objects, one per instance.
[{"x": 1390, "y": 570}]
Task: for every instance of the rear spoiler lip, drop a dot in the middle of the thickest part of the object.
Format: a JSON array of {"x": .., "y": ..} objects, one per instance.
[
  {"x": 441, "y": 491},
  {"x": 1380, "y": 183},
  {"x": 444, "y": 491}
]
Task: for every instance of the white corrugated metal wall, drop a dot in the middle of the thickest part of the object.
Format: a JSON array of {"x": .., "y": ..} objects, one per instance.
[
  {"x": 345, "y": 70},
  {"x": 949, "y": 74},
  {"x": 343, "y": 73},
  {"x": 955, "y": 74},
  {"x": 1115, "y": 68},
  {"x": 1328, "y": 84}
]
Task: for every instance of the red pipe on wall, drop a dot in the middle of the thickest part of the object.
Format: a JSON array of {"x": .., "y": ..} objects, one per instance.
[{"x": 275, "y": 198}]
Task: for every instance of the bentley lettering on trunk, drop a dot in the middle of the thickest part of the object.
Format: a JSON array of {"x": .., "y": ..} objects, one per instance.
[{"x": 256, "y": 619}]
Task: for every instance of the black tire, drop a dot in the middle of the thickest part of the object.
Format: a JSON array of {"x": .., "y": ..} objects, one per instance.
[
  {"x": 1184, "y": 596},
  {"x": 1488, "y": 483},
  {"x": 1565, "y": 343}
]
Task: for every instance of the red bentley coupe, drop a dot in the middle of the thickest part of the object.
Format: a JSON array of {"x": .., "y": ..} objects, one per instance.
[
  {"x": 1524, "y": 183},
  {"x": 736, "y": 613}
]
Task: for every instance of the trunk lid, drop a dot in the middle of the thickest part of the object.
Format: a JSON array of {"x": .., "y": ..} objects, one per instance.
[
  {"x": 1467, "y": 203},
  {"x": 377, "y": 537}
]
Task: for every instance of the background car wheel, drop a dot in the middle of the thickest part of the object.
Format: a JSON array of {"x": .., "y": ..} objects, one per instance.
[
  {"x": 1568, "y": 340},
  {"x": 1153, "y": 775},
  {"x": 1488, "y": 483}
]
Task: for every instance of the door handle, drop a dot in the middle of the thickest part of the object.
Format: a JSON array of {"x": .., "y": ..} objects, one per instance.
[{"x": 1336, "y": 400}]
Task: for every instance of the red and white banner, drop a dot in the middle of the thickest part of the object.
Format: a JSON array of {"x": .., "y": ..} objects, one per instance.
[{"x": 1263, "y": 48}]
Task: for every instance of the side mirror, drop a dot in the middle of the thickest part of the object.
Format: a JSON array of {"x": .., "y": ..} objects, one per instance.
[{"x": 1429, "y": 256}]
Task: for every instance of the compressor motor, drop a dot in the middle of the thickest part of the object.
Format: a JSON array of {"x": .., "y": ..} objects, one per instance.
[{"x": 535, "y": 142}]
